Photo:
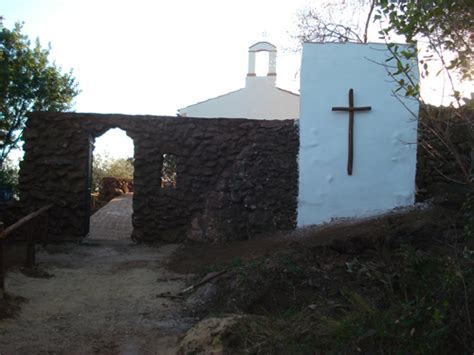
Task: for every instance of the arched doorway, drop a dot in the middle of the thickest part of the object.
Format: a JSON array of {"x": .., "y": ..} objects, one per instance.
[{"x": 110, "y": 186}]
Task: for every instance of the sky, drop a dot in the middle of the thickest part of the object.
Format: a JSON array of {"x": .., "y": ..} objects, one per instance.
[{"x": 154, "y": 56}]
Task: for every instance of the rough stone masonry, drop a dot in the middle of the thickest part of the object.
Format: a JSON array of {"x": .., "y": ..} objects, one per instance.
[{"x": 235, "y": 178}]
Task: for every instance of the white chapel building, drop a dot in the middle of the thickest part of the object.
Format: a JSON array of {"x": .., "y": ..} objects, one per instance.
[{"x": 259, "y": 99}]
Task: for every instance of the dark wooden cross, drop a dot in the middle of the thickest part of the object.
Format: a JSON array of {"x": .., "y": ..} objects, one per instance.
[{"x": 351, "y": 109}]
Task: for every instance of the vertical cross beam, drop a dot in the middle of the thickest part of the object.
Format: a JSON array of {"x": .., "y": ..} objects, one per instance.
[{"x": 351, "y": 109}]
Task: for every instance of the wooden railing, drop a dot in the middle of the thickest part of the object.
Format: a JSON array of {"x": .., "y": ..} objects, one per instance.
[{"x": 30, "y": 239}]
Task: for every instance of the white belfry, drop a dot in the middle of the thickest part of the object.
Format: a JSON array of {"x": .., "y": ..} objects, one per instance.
[{"x": 361, "y": 168}]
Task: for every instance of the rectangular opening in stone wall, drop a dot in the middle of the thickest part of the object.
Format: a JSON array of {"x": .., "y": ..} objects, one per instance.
[{"x": 168, "y": 172}]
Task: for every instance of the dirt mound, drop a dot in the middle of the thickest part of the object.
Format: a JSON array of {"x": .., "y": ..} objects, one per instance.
[
  {"x": 397, "y": 282},
  {"x": 353, "y": 235}
]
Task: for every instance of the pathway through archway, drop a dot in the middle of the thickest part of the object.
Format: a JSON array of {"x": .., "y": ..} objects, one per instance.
[{"x": 113, "y": 221}]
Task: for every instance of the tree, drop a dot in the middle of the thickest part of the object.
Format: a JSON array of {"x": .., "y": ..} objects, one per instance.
[
  {"x": 446, "y": 28},
  {"x": 28, "y": 82},
  {"x": 168, "y": 170},
  {"x": 9, "y": 175},
  {"x": 105, "y": 166},
  {"x": 447, "y": 31},
  {"x": 335, "y": 21}
]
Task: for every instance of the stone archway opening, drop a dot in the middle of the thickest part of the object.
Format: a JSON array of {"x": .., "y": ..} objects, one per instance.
[{"x": 111, "y": 162}]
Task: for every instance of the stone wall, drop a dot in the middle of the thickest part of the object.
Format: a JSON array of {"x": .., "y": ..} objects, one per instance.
[{"x": 235, "y": 178}]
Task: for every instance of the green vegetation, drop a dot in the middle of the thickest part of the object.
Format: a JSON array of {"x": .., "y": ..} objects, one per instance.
[
  {"x": 429, "y": 311},
  {"x": 446, "y": 27},
  {"x": 168, "y": 171},
  {"x": 421, "y": 303},
  {"x": 28, "y": 82},
  {"x": 105, "y": 166},
  {"x": 9, "y": 175}
]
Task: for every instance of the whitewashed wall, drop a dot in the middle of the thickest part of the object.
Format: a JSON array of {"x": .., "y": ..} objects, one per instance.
[
  {"x": 260, "y": 99},
  {"x": 384, "y": 139}
]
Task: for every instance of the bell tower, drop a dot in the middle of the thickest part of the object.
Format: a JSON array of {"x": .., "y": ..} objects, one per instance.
[{"x": 270, "y": 78}]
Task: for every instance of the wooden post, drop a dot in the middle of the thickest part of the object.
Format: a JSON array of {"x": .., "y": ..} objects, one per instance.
[
  {"x": 46, "y": 227},
  {"x": 30, "y": 247},
  {"x": 2, "y": 264}
]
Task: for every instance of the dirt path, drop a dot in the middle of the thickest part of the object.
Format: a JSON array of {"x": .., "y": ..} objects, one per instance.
[{"x": 103, "y": 297}]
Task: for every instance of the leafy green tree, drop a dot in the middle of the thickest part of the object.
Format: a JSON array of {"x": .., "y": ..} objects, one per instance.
[
  {"x": 446, "y": 29},
  {"x": 28, "y": 82},
  {"x": 9, "y": 175},
  {"x": 105, "y": 166}
]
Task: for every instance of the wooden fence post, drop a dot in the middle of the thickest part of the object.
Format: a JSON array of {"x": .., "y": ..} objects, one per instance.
[
  {"x": 2, "y": 264},
  {"x": 46, "y": 227},
  {"x": 30, "y": 247}
]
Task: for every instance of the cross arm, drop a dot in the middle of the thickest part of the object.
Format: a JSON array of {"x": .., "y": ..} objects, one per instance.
[{"x": 349, "y": 109}]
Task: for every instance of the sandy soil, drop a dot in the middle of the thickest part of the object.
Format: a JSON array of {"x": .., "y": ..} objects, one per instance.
[{"x": 104, "y": 297}]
